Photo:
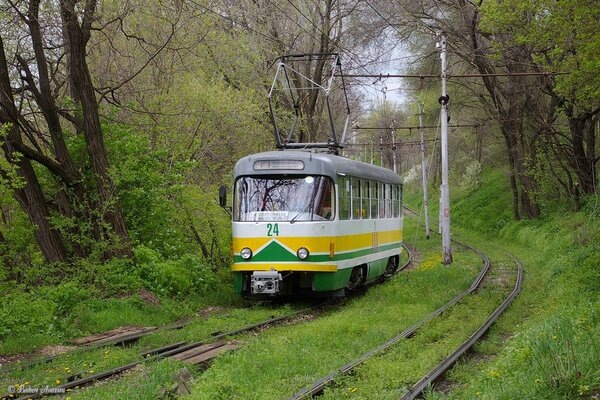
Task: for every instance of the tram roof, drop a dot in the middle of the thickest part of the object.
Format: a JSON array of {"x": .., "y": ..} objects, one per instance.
[{"x": 308, "y": 163}]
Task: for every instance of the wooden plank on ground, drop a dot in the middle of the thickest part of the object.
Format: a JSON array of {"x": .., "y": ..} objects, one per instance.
[
  {"x": 197, "y": 350},
  {"x": 112, "y": 335},
  {"x": 209, "y": 355}
]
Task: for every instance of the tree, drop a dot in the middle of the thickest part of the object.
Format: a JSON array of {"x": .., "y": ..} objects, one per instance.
[{"x": 39, "y": 44}]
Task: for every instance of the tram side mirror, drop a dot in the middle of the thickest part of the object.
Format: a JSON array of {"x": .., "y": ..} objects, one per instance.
[{"x": 223, "y": 196}]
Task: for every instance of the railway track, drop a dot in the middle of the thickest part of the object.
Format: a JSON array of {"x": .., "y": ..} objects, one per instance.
[
  {"x": 200, "y": 352},
  {"x": 119, "y": 340},
  {"x": 318, "y": 386},
  {"x": 464, "y": 347},
  {"x": 196, "y": 352}
]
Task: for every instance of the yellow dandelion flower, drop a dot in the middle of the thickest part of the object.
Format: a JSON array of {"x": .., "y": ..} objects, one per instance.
[
  {"x": 91, "y": 371},
  {"x": 494, "y": 373},
  {"x": 57, "y": 381}
]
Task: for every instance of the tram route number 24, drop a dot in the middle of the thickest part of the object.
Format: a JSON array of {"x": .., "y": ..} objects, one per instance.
[{"x": 272, "y": 229}]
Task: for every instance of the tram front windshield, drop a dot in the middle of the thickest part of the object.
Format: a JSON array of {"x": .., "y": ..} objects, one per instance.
[{"x": 283, "y": 198}]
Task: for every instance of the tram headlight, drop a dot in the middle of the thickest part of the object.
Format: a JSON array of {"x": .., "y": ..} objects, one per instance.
[
  {"x": 246, "y": 253},
  {"x": 302, "y": 253}
]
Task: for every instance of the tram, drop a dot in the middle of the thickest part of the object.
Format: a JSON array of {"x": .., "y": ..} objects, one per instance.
[{"x": 313, "y": 223}]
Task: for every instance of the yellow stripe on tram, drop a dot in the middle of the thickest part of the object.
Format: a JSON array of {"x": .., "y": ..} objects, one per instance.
[{"x": 279, "y": 266}]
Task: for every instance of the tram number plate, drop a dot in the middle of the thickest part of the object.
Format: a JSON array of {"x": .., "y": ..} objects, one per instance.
[{"x": 272, "y": 229}]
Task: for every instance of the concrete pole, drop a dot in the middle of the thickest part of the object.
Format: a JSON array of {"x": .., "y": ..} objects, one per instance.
[
  {"x": 444, "y": 189},
  {"x": 424, "y": 172}
]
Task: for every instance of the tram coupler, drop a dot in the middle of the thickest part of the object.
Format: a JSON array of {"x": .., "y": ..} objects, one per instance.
[{"x": 265, "y": 282}]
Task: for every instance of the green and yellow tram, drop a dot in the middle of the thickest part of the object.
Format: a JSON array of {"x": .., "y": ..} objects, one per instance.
[{"x": 313, "y": 223}]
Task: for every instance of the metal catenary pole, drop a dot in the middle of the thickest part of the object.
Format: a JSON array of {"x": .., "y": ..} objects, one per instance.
[
  {"x": 424, "y": 172},
  {"x": 444, "y": 189}
]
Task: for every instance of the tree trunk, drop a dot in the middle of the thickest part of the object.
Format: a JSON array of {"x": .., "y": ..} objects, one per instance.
[
  {"x": 583, "y": 139},
  {"x": 30, "y": 196},
  {"x": 83, "y": 89}
]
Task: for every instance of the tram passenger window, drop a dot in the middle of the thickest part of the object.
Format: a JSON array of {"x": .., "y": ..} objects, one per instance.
[
  {"x": 396, "y": 200},
  {"x": 364, "y": 194},
  {"x": 356, "y": 205},
  {"x": 373, "y": 197},
  {"x": 400, "y": 198},
  {"x": 344, "y": 193},
  {"x": 388, "y": 200},
  {"x": 381, "y": 200}
]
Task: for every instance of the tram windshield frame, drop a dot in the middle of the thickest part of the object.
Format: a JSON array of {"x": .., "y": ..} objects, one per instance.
[{"x": 284, "y": 198}]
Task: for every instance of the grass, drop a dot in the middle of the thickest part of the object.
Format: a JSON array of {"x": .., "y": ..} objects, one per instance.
[
  {"x": 89, "y": 361},
  {"x": 546, "y": 345}
]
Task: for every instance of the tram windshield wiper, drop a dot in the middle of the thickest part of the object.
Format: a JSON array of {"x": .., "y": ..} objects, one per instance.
[{"x": 309, "y": 206}]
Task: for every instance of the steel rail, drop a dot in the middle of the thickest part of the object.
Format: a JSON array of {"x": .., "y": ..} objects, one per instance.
[
  {"x": 170, "y": 350},
  {"x": 320, "y": 384},
  {"x": 93, "y": 346},
  {"x": 443, "y": 366}
]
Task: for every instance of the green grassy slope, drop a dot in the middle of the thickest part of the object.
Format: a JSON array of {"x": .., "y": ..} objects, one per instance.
[{"x": 547, "y": 346}]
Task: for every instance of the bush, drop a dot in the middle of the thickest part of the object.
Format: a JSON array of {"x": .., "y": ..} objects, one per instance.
[
  {"x": 113, "y": 278},
  {"x": 471, "y": 178},
  {"x": 180, "y": 277},
  {"x": 25, "y": 314},
  {"x": 64, "y": 296}
]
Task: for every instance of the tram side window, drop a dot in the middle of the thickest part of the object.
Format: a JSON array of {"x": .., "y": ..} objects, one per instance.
[
  {"x": 381, "y": 200},
  {"x": 400, "y": 198},
  {"x": 364, "y": 195},
  {"x": 356, "y": 211},
  {"x": 388, "y": 200},
  {"x": 373, "y": 197},
  {"x": 396, "y": 200},
  {"x": 344, "y": 191}
]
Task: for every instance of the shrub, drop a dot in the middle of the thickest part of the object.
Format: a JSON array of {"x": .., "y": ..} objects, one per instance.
[
  {"x": 64, "y": 296},
  {"x": 471, "y": 178},
  {"x": 179, "y": 277},
  {"x": 25, "y": 314}
]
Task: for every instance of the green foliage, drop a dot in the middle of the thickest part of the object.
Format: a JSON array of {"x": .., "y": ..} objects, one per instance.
[
  {"x": 484, "y": 210},
  {"x": 562, "y": 36},
  {"x": 24, "y": 315},
  {"x": 181, "y": 277},
  {"x": 147, "y": 190},
  {"x": 556, "y": 359},
  {"x": 65, "y": 296},
  {"x": 554, "y": 320}
]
